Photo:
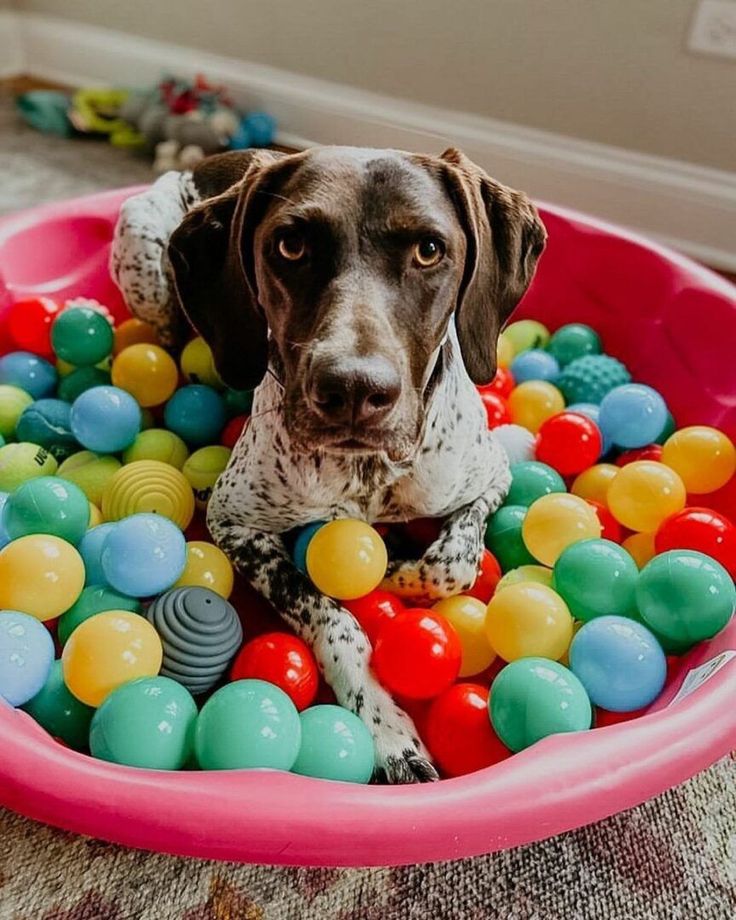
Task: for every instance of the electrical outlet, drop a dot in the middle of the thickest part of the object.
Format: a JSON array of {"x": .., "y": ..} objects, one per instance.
[{"x": 713, "y": 30}]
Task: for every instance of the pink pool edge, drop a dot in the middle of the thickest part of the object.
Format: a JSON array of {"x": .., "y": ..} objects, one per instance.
[{"x": 673, "y": 323}]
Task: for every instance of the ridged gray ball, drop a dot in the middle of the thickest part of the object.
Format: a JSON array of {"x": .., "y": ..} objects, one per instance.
[{"x": 200, "y": 633}]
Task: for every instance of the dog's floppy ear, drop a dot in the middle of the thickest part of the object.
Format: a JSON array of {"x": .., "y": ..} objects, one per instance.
[
  {"x": 215, "y": 290},
  {"x": 505, "y": 238}
]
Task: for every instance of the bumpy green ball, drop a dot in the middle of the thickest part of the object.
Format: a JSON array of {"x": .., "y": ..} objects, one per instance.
[
  {"x": 59, "y": 712},
  {"x": 588, "y": 379},
  {"x": 504, "y": 539}
]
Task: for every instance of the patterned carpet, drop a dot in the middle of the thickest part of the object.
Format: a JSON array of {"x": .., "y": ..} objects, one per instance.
[{"x": 671, "y": 859}]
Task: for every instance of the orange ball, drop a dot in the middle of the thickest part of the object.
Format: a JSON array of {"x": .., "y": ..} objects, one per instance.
[
  {"x": 553, "y": 522},
  {"x": 468, "y": 616},
  {"x": 640, "y": 546},
  {"x": 147, "y": 372},
  {"x": 533, "y": 402},
  {"x": 592, "y": 484},
  {"x": 704, "y": 458},
  {"x": 346, "y": 559},
  {"x": 134, "y": 332},
  {"x": 644, "y": 493},
  {"x": 40, "y": 575}
]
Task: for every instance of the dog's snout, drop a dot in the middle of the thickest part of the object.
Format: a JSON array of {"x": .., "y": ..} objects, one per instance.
[{"x": 355, "y": 390}]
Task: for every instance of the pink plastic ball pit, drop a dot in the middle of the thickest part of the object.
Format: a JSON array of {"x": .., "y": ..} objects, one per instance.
[{"x": 673, "y": 323}]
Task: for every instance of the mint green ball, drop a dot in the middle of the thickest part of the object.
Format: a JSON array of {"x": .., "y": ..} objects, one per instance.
[
  {"x": 530, "y": 480},
  {"x": 60, "y": 713},
  {"x": 596, "y": 578},
  {"x": 504, "y": 538},
  {"x": 335, "y": 745},
  {"x": 81, "y": 336},
  {"x": 147, "y": 723},
  {"x": 247, "y": 724},
  {"x": 94, "y": 599},
  {"x": 47, "y": 505}
]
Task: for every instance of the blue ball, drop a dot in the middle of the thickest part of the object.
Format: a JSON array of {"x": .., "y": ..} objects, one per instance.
[
  {"x": 196, "y": 413},
  {"x": 26, "y": 656},
  {"x": 90, "y": 549},
  {"x": 619, "y": 662},
  {"x": 535, "y": 364},
  {"x": 105, "y": 419},
  {"x": 28, "y": 372},
  {"x": 591, "y": 411},
  {"x": 260, "y": 128},
  {"x": 143, "y": 555},
  {"x": 299, "y": 553},
  {"x": 632, "y": 415},
  {"x": 47, "y": 422}
]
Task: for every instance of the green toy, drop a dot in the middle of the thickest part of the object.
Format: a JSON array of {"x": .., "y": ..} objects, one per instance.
[
  {"x": 588, "y": 379},
  {"x": 82, "y": 336},
  {"x": 504, "y": 539},
  {"x": 335, "y": 745},
  {"x": 48, "y": 505},
  {"x": 94, "y": 599},
  {"x": 596, "y": 578},
  {"x": 575, "y": 340},
  {"x": 530, "y": 480},
  {"x": 60, "y": 713}
]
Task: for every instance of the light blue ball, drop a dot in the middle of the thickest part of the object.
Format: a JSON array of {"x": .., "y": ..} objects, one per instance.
[
  {"x": 260, "y": 128},
  {"x": 591, "y": 411},
  {"x": 619, "y": 662},
  {"x": 4, "y": 538},
  {"x": 90, "y": 549},
  {"x": 28, "y": 372},
  {"x": 196, "y": 413},
  {"x": 26, "y": 656},
  {"x": 535, "y": 364},
  {"x": 335, "y": 745},
  {"x": 105, "y": 419},
  {"x": 299, "y": 553},
  {"x": 143, "y": 555},
  {"x": 632, "y": 415}
]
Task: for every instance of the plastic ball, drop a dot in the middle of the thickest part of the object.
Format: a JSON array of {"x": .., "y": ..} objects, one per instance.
[
  {"x": 24, "y": 461},
  {"x": 575, "y": 340},
  {"x": 467, "y": 615},
  {"x": 105, "y": 419},
  {"x": 669, "y": 429},
  {"x": 232, "y": 431},
  {"x": 48, "y": 422},
  {"x": 569, "y": 443},
  {"x": 147, "y": 372},
  {"x": 504, "y": 351},
  {"x": 238, "y": 402},
  {"x": 94, "y": 599},
  {"x": 556, "y": 521},
  {"x": 245, "y": 725},
  {"x": 4, "y": 538},
  {"x": 704, "y": 458},
  {"x": 283, "y": 660},
  {"x": 489, "y": 575},
  {"x": 593, "y": 412},
  {"x": 530, "y": 480},
  {"x": 640, "y": 546},
  {"x": 81, "y": 380},
  {"x": 13, "y": 402},
  {"x": 203, "y": 469},
  {"x": 610, "y": 527},
  {"x": 596, "y": 578},
  {"x": 133, "y": 332},
  {"x": 504, "y": 537},
  {"x": 29, "y": 373},
  {"x": 702, "y": 530},
  {"x": 533, "y": 402},
  {"x": 373, "y": 610},
  {"x": 528, "y": 619},
  {"x": 29, "y": 324},
  {"x": 60, "y": 712},
  {"x": 197, "y": 414},
  {"x": 525, "y": 334},
  {"x": 81, "y": 336},
  {"x": 260, "y": 128},
  {"x": 503, "y": 383},
  {"x": 645, "y": 493},
  {"x": 40, "y": 575},
  {"x": 459, "y": 733},
  {"x": 592, "y": 484},
  {"x": 619, "y": 662},
  {"x": 632, "y": 415},
  {"x": 95, "y": 516},
  {"x": 90, "y": 549},
  {"x": 588, "y": 379},
  {"x": 303, "y": 538},
  {"x": 534, "y": 364},
  {"x": 149, "y": 486},
  {"x": 143, "y": 555},
  {"x": 335, "y": 745},
  {"x": 26, "y": 656},
  {"x": 90, "y": 472},
  {"x": 497, "y": 410},
  {"x": 47, "y": 505},
  {"x": 198, "y": 365},
  {"x": 346, "y": 559},
  {"x": 539, "y": 574},
  {"x": 158, "y": 444},
  {"x": 650, "y": 452},
  {"x": 684, "y": 596},
  {"x": 207, "y": 567}
]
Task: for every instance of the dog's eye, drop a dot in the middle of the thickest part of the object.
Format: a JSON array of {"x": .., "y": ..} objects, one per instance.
[
  {"x": 428, "y": 251},
  {"x": 292, "y": 246}
]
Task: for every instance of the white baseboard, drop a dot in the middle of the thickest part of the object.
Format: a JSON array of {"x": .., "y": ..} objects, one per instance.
[
  {"x": 12, "y": 61},
  {"x": 692, "y": 208}
]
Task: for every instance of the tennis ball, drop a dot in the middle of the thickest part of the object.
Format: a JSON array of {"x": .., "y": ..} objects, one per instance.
[
  {"x": 198, "y": 365},
  {"x": 23, "y": 461},
  {"x": 202, "y": 470},
  {"x": 13, "y": 401},
  {"x": 90, "y": 471},
  {"x": 158, "y": 444}
]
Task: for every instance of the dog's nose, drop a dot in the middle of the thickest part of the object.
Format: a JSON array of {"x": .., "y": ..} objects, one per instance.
[{"x": 356, "y": 390}]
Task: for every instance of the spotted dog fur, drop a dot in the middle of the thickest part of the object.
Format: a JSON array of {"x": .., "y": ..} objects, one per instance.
[{"x": 282, "y": 473}]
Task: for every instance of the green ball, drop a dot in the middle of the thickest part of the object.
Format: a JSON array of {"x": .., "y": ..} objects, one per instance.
[
  {"x": 13, "y": 401},
  {"x": 80, "y": 380},
  {"x": 238, "y": 402},
  {"x": 335, "y": 745},
  {"x": 504, "y": 539},
  {"x": 588, "y": 379},
  {"x": 596, "y": 578},
  {"x": 81, "y": 336},
  {"x": 47, "y": 505},
  {"x": 91, "y": 472},
  {"x": 24, "y": 461},
  {"x": 573, "y": 341},
  {"x": 94, "y": 599},
  {"x": 534, "y": 697},
  {"x": 59, "y": 712},
  {"x": 147, "y": 723},
  {"x": 158, "y": 444},
  {"x": 669, "y": 428},
  {"x": 685, "y": 596},
  {"x": 530, "y": 480},
  {"x": 48, "y": 422},
  {"x": 246, "y": 724}
]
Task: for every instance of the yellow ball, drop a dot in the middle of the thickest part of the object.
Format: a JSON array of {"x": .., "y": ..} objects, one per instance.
[
  {"x": 22, "y": 461},
  {"x": 504, "y": 351},
  {"x": 108, "y": 650},
  {"x": 207, "y": 567},
  {"x": 528, "y": 620},
  {"x": 95, "y": 517},
  {"x": 468, "y": 616},
  {"x": 90, "y": 471},
  {"x": 593, "y": 483},
  {"x": 134, "y": 332},
  {"x": 533, "y": 402},
  {"x": 704, "y": 458},
  {"x": 13, "y": 401},
  {"x": 535, "y": 573},
  {"x": 158, "y": 444},
  {"x": 198, "y": 365},
  {"x": 148, "y": 485},
  {"x": 525, "y": 334},
  {"x": 556, "y": 521},
  {"x": 346, "y": 559},
  {"x": 40, "y": 575},
  {"x": 640, "y": 546},
  {"x": 644, "y": 493},
  {"x": 147, "y": 372},
  {"x": 203, "y": 469}
]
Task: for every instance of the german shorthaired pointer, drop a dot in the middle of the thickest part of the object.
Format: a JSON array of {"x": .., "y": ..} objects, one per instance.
[{"x": 361, "y": 292}]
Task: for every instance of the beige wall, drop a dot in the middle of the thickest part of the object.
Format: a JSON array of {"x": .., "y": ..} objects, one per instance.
[{"x": 613, "y": 71}]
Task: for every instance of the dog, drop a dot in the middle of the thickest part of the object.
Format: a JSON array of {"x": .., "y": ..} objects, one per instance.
[{"x": 361, "y": 292}]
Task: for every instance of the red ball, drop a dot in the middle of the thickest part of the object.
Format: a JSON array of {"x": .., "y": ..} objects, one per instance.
[
  {"x": 650, "y": 452},
  {"x": 496, "y": 409},
  {"x": 569, "y": 443},
  {"x": 281, "y": 659},
  {"x": 29, "y": 324},
  {"x": 489, "y": 575},
  {"x": 503, "y": 383},
  {"x": 373, "y": 610},
  {"x": 417, "y": 654},
  {"x": 611, "y": 529},
  {"x": 699, "y": 529},
  {"x": 458, "y": 731},
  {"x": 233, "y": 430},
  {"x": 604, "y": 717}
]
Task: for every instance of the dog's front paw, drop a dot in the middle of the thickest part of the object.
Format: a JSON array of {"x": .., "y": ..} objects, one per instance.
[
  {"x": 407, "y": 767},
  {"x": 431, "y": 578}
]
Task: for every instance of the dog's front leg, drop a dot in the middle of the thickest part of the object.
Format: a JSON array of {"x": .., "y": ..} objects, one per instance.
[{"x": 339, "y": 644}]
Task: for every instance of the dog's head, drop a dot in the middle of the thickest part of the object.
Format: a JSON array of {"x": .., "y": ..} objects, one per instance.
[{"x": 353, "y": 263}]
